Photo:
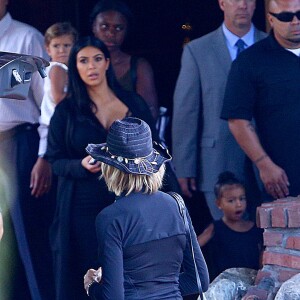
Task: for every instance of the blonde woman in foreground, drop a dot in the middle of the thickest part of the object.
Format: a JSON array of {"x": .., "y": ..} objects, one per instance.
[{"x": 143, "y": 244}]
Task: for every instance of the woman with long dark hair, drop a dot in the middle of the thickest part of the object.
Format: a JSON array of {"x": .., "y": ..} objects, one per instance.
[{"x": 94, "y": 101}]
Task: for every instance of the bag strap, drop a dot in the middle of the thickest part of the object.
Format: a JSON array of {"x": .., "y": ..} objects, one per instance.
[{"x": 182, "y": 210}]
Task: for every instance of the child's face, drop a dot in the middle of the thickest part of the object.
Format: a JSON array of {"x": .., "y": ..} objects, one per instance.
[
  {"x": 60, "y": 47},
  {"x": 232, "y": 202}
]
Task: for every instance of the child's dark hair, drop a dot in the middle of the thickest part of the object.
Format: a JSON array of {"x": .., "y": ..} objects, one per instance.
[
  {"x": 59, "y": 29},
  {"x": 226, "y": 178}
]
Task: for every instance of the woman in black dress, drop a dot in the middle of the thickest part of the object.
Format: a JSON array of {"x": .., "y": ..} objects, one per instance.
[{"x": 94, "y": 101}]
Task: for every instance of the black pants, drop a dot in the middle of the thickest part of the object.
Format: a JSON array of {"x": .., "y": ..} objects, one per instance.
[{"x": 30, "y": 216}]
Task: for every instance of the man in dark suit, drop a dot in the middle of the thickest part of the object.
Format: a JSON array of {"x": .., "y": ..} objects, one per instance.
[
  {"x": 203, "y": 146},
  {"x": 264, "y": 84}
]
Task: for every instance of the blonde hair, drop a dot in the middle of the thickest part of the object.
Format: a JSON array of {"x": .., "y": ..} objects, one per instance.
[{"x": 119, "y": 182}]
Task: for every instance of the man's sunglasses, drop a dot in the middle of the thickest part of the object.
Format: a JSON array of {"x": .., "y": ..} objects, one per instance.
[{"x": 286, "y": 16}]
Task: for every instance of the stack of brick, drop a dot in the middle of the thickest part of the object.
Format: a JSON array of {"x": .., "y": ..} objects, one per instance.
[{"x": 281, "y": 258}]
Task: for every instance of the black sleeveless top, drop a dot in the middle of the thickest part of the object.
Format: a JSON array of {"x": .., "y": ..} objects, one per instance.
[
  {"x": 233, "y": 249},
  {"x": 128, "y": 80}
]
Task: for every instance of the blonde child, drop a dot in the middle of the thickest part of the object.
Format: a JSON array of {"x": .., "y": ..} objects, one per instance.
[
  {"x": 232, "y": 241},
  {"x": 59, "y": 39}
]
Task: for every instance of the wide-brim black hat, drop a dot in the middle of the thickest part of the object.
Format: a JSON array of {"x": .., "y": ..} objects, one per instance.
[{"x": 129, "y": 148}]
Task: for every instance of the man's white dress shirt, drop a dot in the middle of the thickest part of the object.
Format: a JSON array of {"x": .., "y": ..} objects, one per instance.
[{"x": 21, "y": 38}]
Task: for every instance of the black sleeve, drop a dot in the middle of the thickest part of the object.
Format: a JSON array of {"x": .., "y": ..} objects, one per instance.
[
  {"x": 57, "y": 148},
  {"x": 111, "y": 261},
  {"x": 239, "y": 96}
]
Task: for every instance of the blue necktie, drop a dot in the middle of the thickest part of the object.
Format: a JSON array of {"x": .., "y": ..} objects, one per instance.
[{"x": 241, "y": 46}]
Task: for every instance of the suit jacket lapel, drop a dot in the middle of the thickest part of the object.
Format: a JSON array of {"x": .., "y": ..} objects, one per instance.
[
  {"x": 259, "y": 35},
  {"x": 221, "y": 51}
]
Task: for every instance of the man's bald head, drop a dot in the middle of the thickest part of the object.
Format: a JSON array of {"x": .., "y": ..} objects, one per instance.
[
  {"x": 286, "y": 32},
  {"x": 273, "y": 4}
]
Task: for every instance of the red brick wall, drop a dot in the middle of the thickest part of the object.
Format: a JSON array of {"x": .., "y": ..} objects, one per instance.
[
  {"x": 281, "y": 223},
  {"x": 281, "y": 258}
]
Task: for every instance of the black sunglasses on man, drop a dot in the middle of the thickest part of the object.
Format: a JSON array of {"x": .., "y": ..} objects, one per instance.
[{"x": 286, "y": 16}]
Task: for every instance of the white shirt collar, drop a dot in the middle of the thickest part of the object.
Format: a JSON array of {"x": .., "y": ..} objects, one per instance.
[
  {"x": 5, "y": 23},
  {"x": 231, "y": 38},
  {"x": 295, "y": 51}
]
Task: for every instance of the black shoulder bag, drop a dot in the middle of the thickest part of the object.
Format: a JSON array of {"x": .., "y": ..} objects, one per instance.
[{"x": 182, "y": 210}]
